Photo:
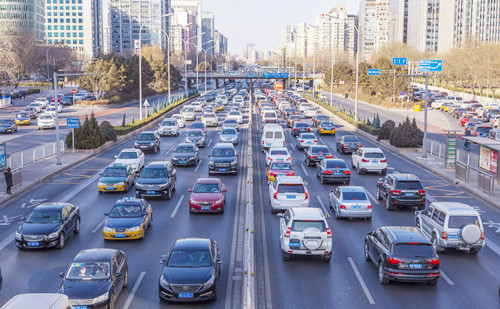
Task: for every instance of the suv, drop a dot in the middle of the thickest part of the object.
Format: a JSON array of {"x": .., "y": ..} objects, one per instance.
[
  {"x": 286, "y": 192},
  {"x": 315, "y": 154},
  {"x": 401, "y": 190},
  {"x": 158, "y": 179},
  {"x": 305, "y": 231},
  {"x": 169, "y": 127},
  {"x": 148, "y": 141},
  {"x": 348, "y": 143},
  {"x": 369, "y": 159},
  {"x": 223, "y": 159},
  {"x": 452, "y": 225}
]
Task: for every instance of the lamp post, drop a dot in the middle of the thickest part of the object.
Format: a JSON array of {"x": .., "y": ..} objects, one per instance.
[
  {"x": 205, "y": 51},
  {"x": 168, "y": 63},
  {"x": 186, "y": 42},
  {"x": 47, "y": 57}
]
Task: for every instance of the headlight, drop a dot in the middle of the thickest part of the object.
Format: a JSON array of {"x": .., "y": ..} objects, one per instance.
[
  {"x": 234, "y": 163},
  {"x": 192, "y": 200},
  {"x": 99, "y": 299},
  {"x": 138, "y": 185},
  {"x": 120, "y": 183},
  {"x": 134, "y": 229},
  {"x": 163, "y": 185},
  {"x": 136, "y": 144},
  {"x": 152, "y": 144},
  {"x": 107, "y": 229},
  {"x": 164, "y": 283},
  {"x": 19, "y": 236},
  {"x": 53, "y": 235},
  {"x": 219, "y": 201},
  {"x": 211, "y": 163},
  {"x": 209, "y": 283}
]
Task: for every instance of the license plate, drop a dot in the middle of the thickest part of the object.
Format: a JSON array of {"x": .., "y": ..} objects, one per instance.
[
  {"x": 110, "y": 188},
  {"x": 321, "y": 157},
  {"x": 452, "y": 236},
  {"x": 120, "y": 235},
  {"x": 290, "y": 196},
  {"x": 222, "y": 169},
  {"x": 33, "y": 244},
  {"x": 416, "y": 266},
  {"x": 308, "y": 142},
  {"x": 356, "y": 207},
  {"x": 409, "y": 194},
  {"x": 183, "y": 162},
  {"x": 205, "y": 208},
  {"x": 268, "y": 144},
  {"x": 150, "y": 192},
  {"x": 185, "y": 295},
  {"x": 375, "y": 161},
  {"x": 337, "y": 173},
  {"x": 295, "y": 245},
  {"x": 79, "y": 307}
]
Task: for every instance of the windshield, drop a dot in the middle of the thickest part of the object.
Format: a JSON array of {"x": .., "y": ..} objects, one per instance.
[
  {"x": 234, "y": 113},
  {"x": 300, "y": 226},
  {"x": 335, "y": 164},
  {"x": 308, "y": 136},
  {"x": 209, "y": 116},
  {"x": 115, "y": 172},
  {"x": 281, "y": 166},
  {"x": 301, "y": 125},
  {"x": 207, "y": 188},
  {"x": 23, "y": 115},
  {"x": 354, "y": 196},
  {"x": 169, "y": 123},
  {"x": 154, "y": 173},
  {"x": 279, "y": 153},
  {"x": 456, "y": 222},
  {"x": 351, "y": 139},
  {"x": 320, "y": 150},
  {"x": 413, "y": 250},
  {"x": 291, "y": 188},
  {"x": 188, "y": 110},
  {"x": 327, "y": 124},
  {"x": 88, "y": 271},
  {"x": 146, "y": 137},
  {"x": 5, "y": 121},
  {"x": 128, "y": 211},
  {"x": 41, "y": 216},
  {"x": 189, "y": 258},
  {"x": 222, "y": 153},
  {"x": 184, "y": 149},
  {"x": 374, "y": 155},
  {"x": 409, "y": 185},
  {"x": 45, "y": 117},
  {"x": 229, "y": 131},
  {"x": 127, "y": 155},
  {"x": 483, "y": 129},
  {"x": 195, "y": 133}
]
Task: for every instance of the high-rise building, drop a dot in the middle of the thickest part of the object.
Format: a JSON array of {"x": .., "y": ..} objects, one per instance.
[
  {"x": 251, "y": 53},
  {"x": 194, "y": 9},
  {"x": 398, "y": 10},
  {"x": 374, "y": 20},
  {"x": 185, "y": 19},
  {"x": 208, "y": 30},
  {"x": 24, "y": 14},
  {"x": 301, "y": 39}
]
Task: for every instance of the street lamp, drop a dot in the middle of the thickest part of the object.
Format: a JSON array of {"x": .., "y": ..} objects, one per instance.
[
  {"x": 168, "y": 63},
  {"x": 47, "y": 57},
  {"x": 206, "y": 50}
]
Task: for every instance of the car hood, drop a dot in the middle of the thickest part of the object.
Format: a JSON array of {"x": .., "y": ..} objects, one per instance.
[
  {"x": 168, "y": 127},
  {"x": 187, "y": 275},
  {"x": 222, "y": 159},
  {"x": 152, "y": 181},
  {"x": 228, "y": 136},
  {"x": 39, "y": 228},
  {"x": 79, "y": 289},
  {"x": 127, "y": 161},
  {"x": 122, "y": 222},
  {"x": 5, "y": 125},
  {"x": 183, "y": 155},
  {"x": 206, "y": 197},
  {"x": 112, "y": 179}
]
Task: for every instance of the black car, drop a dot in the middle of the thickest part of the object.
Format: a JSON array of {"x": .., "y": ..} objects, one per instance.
[
  {"x": 318, "y": 118},
  {"x": 223, "y": 160},
  {"x": 95, "y": 278},
  {"x": 400, "y": 190},
  {"x": 186, "y": 154},
  {"x": 1, "y": 279},
  {"x": 300, "y": 127},
  {"x": 191, "y": 271},
  {"x": 148, "y": 141},
  {"x": 158, "y": 179},
  {"x": 348, "y": 144},
  {"x": 8, "y": 125},
  {"x": 48, "y": 225},
  {"x": 316, "y": 153},
  {"x": 333, "y": 170},
  {"x": 402, "y": 254},
  {"x": 67, "y": 100}
]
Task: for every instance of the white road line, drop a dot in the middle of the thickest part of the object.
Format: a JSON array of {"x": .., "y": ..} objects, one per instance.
[
  {"x": 177, "y": 206},
  {"x": 98, "y": 226},
  {"x": 209, "y": 142},
  {"x": 361, "y": 281},
  {"x": 374, "y": 200},
  {"x": 293, "y": 147},
  {"x": 322, "y": 205},
  {"x": 390, "y": 168},
  {"x": 322, "y": 141},
  {"x": 430, "y": 198},
  {"x": 166, "y": 153},
  {"x": 7, "y": 241},
  {"x": 304, "y": 169},
  {"x": 198, "y": 166},
  {"x": 445, "y": 277},
  {"x": 489, "y": 244},
  {"x": 77, "y": 190},
  {"x": 134, "y": 290}
]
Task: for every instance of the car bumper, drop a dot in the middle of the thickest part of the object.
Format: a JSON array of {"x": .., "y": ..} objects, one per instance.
[
  {"x": 145, "y": 147},
  {"x": 373, "y": 168},
  {"x": 350, "y": 149},
  {"x": 151, "y": 193},
  {"x": 36, "y": 244},
  {"x": 286, "y": 204},
  {"x": 23, "y": 122},
  {"x": 460, "y": 245},
  {"x": 168, "y": 133},
  {"x": 415, "y": 202},
  {"x": 187, "y": 162},
  {"x": 195, "y": 208},
  {"x": 327, "y": 131},
  {"x": 335, "y": 178},
  {"x": 112, "y": 188},
  {"x": 75, "y": 302},
  {"x": 169, "y": 295},
  {"x": 211, "y": 123},
  {"x": 199, "y": 143},
  {"x": 304, "y": 145},
  {"x": 123, "y": 236},
  {"x": 46, "y": 126},
  {"x": 412, "y": 276},
  {"x": 308, "y": 252},
  {"x": 223, "y": 170},
  {"x": 354, "y": 213}
]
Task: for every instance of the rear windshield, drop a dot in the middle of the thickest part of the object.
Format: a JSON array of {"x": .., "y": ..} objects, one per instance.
[
  {"x": 278, "y": 134},
  {"x": 483, "y": 129},
  {"x": 299, "y": 226},
  {"x": 374, "y": 155},
  {"x": 409, "y": 185},
  {"x": 335, "y": 164},
  {"x": 269, "y": 134},
  {"x": 351, "y": 139},
  {"x": 354, "y": 196},
  {"x": 279, "y": 152},
  {"x": 327, "y": 124},
  {"x": 281, "y": 166},
  {"x": 317, "y": 150},
  {"x": 308, "y": 136},
  {"x": 413, "y": 250},
  {"x": 456, "y": 222},
  {"x": 301, "y": 125},
  {"x": 269, "y": 115},
  {"x": 290, "y": 188}
]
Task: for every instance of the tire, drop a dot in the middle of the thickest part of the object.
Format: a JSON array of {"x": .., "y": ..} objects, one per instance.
[
  {"x": 388, "y": 204},
  {"x": 169, "y": 194},
  {"x": 175, "y": 185},
  {"x": 435, "y": 244},
  {"x": 421, "y": 207},
  {"x": 273, "y": 211},
  {"x": 382, "y": 279},
  {"x": 336, "y": 214},
  {"x": 112, "y": 302},
  {"x": 126, "y": 188},
  {"x": 61, "y": 242},
  {"x": 322, "y": 180},
  {"x": 417, "y": 223},
  {"x": 143, "y": 233},
  {"x": 326, "y": 257},
  {"x": 125, "y": 281},
  {"x": 432, "y": 282},
  {"x": 358, "y": 170},
  {"x": 77, "y": 227},
  {"x": 286, "y": 256},
  {"x": 474, "y": 251},
  {"x": 367, "y": 256},
  {"x": 379, "y": 196}
]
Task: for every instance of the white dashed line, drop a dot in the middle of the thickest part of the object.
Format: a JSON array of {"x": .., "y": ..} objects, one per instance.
[
  {"x": 322, "y": 141},
  {"x": 7, "y": 241},
  {"x": 98, "y": 226},
  {"x": 304, "y": 169},
  {"x": 445, "y": 277},
  {"x": 198, "y": 166},
  {"x": 177, "y": 207},
  {"x": 361, "y": 281},
  {"x": 374, "y": 200},
  {"x": 322, "y": 205},
  {"x": 293, "y": 147},
  {"x": 166, "y": 153},
  {"x": 134, "y": 290},
  {"x": 209, "y": 143}
]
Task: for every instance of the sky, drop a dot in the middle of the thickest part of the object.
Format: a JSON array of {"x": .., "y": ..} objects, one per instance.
[{"x": 264, "y": 22}]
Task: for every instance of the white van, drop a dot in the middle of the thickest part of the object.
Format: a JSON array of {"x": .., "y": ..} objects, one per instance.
[
  {"x": 38, "y": 301},
  {"x": 272, "y": 136}
]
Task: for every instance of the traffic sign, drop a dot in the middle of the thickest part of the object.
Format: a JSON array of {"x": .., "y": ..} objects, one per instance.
[
  {"x": 399, "y": 61},
  {"x": 373, "y": 71},
  {"x": 72, "y": 123},
  {"x": 250, "y": 75},
  {"x": 430, "y": 65},
  {"x": 73, "y": 91},
  {"x": 402, "y": 93}
]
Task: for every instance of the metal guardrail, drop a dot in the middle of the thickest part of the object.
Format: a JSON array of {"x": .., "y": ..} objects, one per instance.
[
  {"x": 462, "y": 172},
  {"x": 226, "y": 74},
  {"x": 486, "y": 182},
  {"x": 29, "y": 156}
]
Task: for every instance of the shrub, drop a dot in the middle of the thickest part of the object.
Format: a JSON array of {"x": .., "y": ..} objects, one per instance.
[
  {"x": 88, "y": 135},
  {"x": 386, "y": 129},
  {"x": 108, "y": 131},
  {"x": 407, "y": 134},
  {"x": 376, "y": 122}
]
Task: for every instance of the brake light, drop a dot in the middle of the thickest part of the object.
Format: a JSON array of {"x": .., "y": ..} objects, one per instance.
[
  {"x": 347, "y": 172},
  {"x": 296, "y": 129},
  {"x": 307, "y": 195},
  {"x": 444, "y": 235},
  {"x": 308, "y": 129},
  {"x": 434, "y": 262},
  {"x": 287, "y": 234},
  {"x": 276, "y": 195},
  {"x": 302, "y": 141},
  {"x": 394, "y": 261},
  {"x": 328, "y": 233},
  {"x": 421, "y": 192},
  {"x": 344, "y": 145},
  {"x": 315, "y": 141},
  {"x": 329, "y": 157},
  {"x": 364, "y": 160},
  {"x": 283, "y": 143},
  {"x": 269, "y": 158},
  {"x": 314, "y": 157},
  {"x": 359, "y": 145},
  {"x": 342, "y": 206},
  {"x": 290, "y": 174},
  {"x": 288, "y": 159},
  {"x": 385, "y": 160},
  {"x": 262, "y": 143},
  {"x": 369, "y": 207},
  {"x": 396, "y": 192},
  {"x": 328, "y": 172},
  {"x": 482, "y": 236}
]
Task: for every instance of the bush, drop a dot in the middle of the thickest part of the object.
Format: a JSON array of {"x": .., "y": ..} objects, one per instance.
[
  {"x": 376, "y": 122},
  {"x": 88, "y": 135},
  {"x": 386, "y": 129},
  {"x": 407, "y": 134},
  {"x": 108, "y": 131}
]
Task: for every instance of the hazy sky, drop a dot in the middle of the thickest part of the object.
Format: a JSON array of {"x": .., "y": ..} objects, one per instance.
[{"x": 264, "y": 22}]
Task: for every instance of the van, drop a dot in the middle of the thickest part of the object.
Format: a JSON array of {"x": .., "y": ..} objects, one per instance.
[
  {"x": 272, "y": 136},
  {"x": 269, "y": 115},
  {"x": 494, "y": 134},
  {"x": 38, "y": 301}
]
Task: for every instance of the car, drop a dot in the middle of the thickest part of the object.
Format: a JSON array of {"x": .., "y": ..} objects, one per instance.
[
  {"x": 116, "y": 177},
  {"x": 43, "y": 102},
  {"x": 326, "y": 127},
  {"x": 36, "y": 106},
  {"x": 219, "y": 106},
  {"x": 191, "y": 271},
  {"x": 231, "y": 123},
  {"x": 48, "y": 110},
  {"x": 229, "y": 135},
  {"x": 38, "y": 301},
  {"x": 333, "y": 170},
  {"x": 8, "y": 125},
  {"x": 236, "y": 115},
  {"x": 223, "y": 160},
  {"x": 199, "y": 125},
  {"x": 306, "y": 140},
  {"x": 59, "y": 98},
  {"x": 305, "y": 231},
  {"x": 316, "y": 153},
  {"x": 148, "y": 141},
  {"x": 48, "y": 225},
  {"x": 197, "y": 137},
  {"x": 46, "y": 121},
  {"x": 157, "y": 179},
  {"x": 300, "y": 127},
  {"x": 67, "y": 100},
  {"x": 208, "y": 195},
  {"x": 23, "y": 118},
  {"x": 32, "y": 112},
  {"x": 197, "y": 106},
  {"x": 279, "y": 168},
  {"x": 277, "y": 154},
  {"x": 185, "y": 154},
  {"x": 132, "y": 157},
  {"x": 350, "y": 202},
  {"x": 481, "y": 130},
  {"x": 401, "y": 190},
  {"x": 128, "y": 219},
  {"x": 210, "y": 119},
  {"x": 452, "y": 225},
  {"x": 95, "y": 278},
  {"x": 169, "y": 127},
  {"x": 369, "y": 159},
  {"x": 402, "y": 253},
  {"x": 348, "y": 144},
  {"x": 59, "y": 107},
  {"x": 310, "y": 112},
  {"x": 286, "y": 192},
  {"x": 189, "y": 113},
  {"x": 181, "y": 122},
  {"x": 292, "y": 119}
]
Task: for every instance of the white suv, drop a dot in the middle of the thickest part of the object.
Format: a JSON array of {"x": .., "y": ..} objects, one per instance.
[
  {"x": 210, "y": 119},
  {"x": 46, "y": 121},
  {"x": 369, "y": 159},
  {"x": 305, "y": 231},
  {"x": 286, "y": 192},
  {"x": 278, "y": 154},
  {"x": 169, "y": 127}
]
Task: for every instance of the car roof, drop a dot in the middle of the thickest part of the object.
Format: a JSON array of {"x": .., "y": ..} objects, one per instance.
[
  {"x": 51, "y": 206},
  {"x": 185, "y": 144},
  {"x": 223, "y": 145},
  {"x": 95, "y": 255},
  {"x": 455, "y": 207},
  {"x": 130, "y": 150},
  {"x": 372, "y": 149},
  {"x": 405, "y": 234},
  {"x": 191, "y": 243},
  {"x": 351, "y": 189},
  {"x": 158, "y": 164},
  {"x": 290, "y": 179},
  {"x": 207, "y": 180},
  {"x": 128, "y": 200},
  {"x": 307, "y": 213},
  {"x": 400, "y": 176}
]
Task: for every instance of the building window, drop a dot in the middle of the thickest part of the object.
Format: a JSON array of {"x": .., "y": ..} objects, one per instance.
[
  {"x": 50, "y": 34},
  {"x": 80, "y": 34},
  {"x": 80, "y": 20},
  {"x": 80, "y": 41},
  {"x": 50, "y": 41},
  {"x": 74, "y": 34},
  {"x": 74, "y": 42},
  {"x": 80, "y": 27}
]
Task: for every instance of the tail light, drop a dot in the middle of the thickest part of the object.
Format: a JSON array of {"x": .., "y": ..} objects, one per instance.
[
  {"x": 344, "y": 145},
  {"x": 328, "y": 233},
  {"x": 302, "y": 141},
  {"x": 369, "y": 207},
  {"x": 290, "y": 174},
  {"x": 434, "y": 262},
  {"x": 270, "y": 159},
  {"x": 359, "y": 145},
  {"x": 396, "y": 192},
  {"x": 308, "y": 129},
  {"x": 444, "y": 235},
  {"x": 328, "y": 172},
  {"x": 307, "y": 195},
  {"x": 288, "y": 159},
  {"x": 421, "y": 192},
  {"x": 394, "y": 261},
  {"x": 283, "y": 143},
  {"x": 482, "y": 236},
  {"x": 262, "y": 143},
  {"x": 275, "y": 195},
  {"x": 315, "y": 141},
  {"x": 347, "y": 172},
  {"x": 314, "y": 157},
  {"x": 383, "y": 161},
  {"x": 342, "y": 206},
  {"x": 296, "y": 129},
  {"x": 287, "y": 234},
  {"x": 364, "y": 160},
  {"x": 328, "y": 156}
]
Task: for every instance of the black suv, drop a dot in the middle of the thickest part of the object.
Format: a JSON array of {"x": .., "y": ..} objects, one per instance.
[
  {"x": 223, "y": 160},
  {"x": 158, "y": 179},
  {"x": 148, "y": 141},
  {"x": 402, "y": 254},
  {"x": 401, "y": 190}
]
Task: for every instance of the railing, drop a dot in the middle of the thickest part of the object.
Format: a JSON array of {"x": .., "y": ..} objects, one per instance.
[
  {"x": 222, "y": 74},
  {"x": 462, "y": 172},
  {"x": 19, "y": 159},
  {"x": 485, "y": 182}
]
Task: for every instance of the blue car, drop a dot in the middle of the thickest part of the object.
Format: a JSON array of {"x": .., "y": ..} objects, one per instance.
[{"x": 8, "y": 125}]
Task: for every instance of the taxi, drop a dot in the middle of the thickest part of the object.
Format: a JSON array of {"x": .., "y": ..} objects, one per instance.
[
  {"x": 279, "y": 168},
  {"x": 23, "y": 118},
  {"x": 128, "y": 219},
  {"x": 326, "y": 127},
  {"x": 220, "y": 106},
  {"x": 116, "y": 177}
]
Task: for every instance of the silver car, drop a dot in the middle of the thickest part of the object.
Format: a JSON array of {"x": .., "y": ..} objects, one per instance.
[
  {"x": 229, "y": 135},
  {"x": 197, "y": 137},
  {"x": 188, "y": 113},
  {"x": 306, "y": 140},
  {"x": 350, "y": 202}
]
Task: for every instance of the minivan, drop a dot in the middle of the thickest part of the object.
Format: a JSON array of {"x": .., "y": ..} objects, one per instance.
[{"x": 272, "y": 136}]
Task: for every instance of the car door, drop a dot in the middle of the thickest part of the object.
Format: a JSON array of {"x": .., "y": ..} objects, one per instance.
[
  {"x": 171, "y": 175},
  {"x": 73, "y": 214},
  {"x": 117, "y": 266},
  {"x": 66, "y": 221},
  {"x": 387, "y": 186},
  {"x": 355, "y": 158},
  {"x": 146, "y": 214},
  {"x": 426, "y": 221},
  {"x": 374, "y": 245}
]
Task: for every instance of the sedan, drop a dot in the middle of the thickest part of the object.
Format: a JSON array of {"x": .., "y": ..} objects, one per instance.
[
  {"x": 231, "y": 123},
  {"x": 350, "y": 202},
  {"x": 236, "y": 116},
  {"x": 196, "y": 136},
  {"x": 186, "y": 154},
  {"x": 128, "y": 219},
  {"x": 348, "y": 143},
  {"x": 133, "y": 157},
  {"x": 326, "y": 127},
  {"x": 8, "y": 125},
  {"x": 207, "y": 195},
  {"x": 199, "y": 125},
  {"x": 23, "y": 118},
  {"x": 300, "y": 127},
  {"x": 277, "y": 154},
  {"x": 191, "y": 271},
  {"x": 279, "y": 168},
  {"x": 316, "y": 154},
  {"x": 181, "y": 122},
  {"x": 229, "y": 135},
  {"x": 333, "y": 170},
  {"x": 306, "y": 140},
  {"x": 48, "y": 225}
]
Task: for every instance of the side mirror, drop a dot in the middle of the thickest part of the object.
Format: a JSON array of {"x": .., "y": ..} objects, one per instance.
[
  {"x": 306, "y": 183},
  {"x": 146, "y": 213},
  {"x": 163, "y": 259},
  {"x": 100, "y": 173},
  {"x": 117, "y": 274},
  {"x": 280, "y": 215},
  {"x": 218, "y": 261},
  {"x": 106, "y": 214},
  {"x": 209, "y": 156},
  {"x": 269, "y": 182},
  {"x": 61, "y": 275},
  {"x": 23, "y": 218},
  {"x": 381, "y": 179},
  {"x": 190, "y": 190},
  {"x": 116, "y": 157},
  {"x": 224, "y": 190},
  {"x": 327, "y": 216}
]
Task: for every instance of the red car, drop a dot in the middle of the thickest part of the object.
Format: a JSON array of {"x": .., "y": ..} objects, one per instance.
[
  {"x": 207, "y": 195},
  {"x": 279, "y": 168},
  {"x": 465, "y": 118},
  {"x": 59, "y": 97}
]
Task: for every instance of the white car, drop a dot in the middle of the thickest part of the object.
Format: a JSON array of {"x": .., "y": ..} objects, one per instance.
[
  {"x": 286, "y": 192},
  {"x": 36, "y": 106},
  {"x": 350, "y": 202},
  {"x": 210, "y": 119},
  {"x": 43, "y": 102},
  {"x": 304, "y": 106},
  {"x": 197, "y": 106},
  {"x": 369, "y": 159},
  {"x": 188, "y": 113},
  {"x": 169, "y": 127},
  {"x": 132, "y": 157},
  {"x": 235, "y": 115},
  {"x": 46, "y": 121},
  {"x": 310, "y": 112},
  {"x": 50, "y": 110},
  {"x": 59, "y": 106},
  {"x": 323, "y": 96},
  {"x": 181, "y": 122},
  {"x": 306, "y": 140},
  {"x": 278, "y": 154}
]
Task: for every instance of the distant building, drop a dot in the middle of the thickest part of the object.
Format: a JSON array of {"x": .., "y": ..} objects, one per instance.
[
  {"x": 208, "y": 30},
  {"x": 194, "y": 9},
  {"x": 251, "y": 53},
  {"x": 374, "y": 21},
  {"x": 24, "y": 14}
]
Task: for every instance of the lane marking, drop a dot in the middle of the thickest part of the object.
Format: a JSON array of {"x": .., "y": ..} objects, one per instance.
[
  {"x": 293, "y": 147},
  {"x": 304, "y": 169},
  {"x": 177, "y": 206},
  {"x": 322, "y": 141},
  {"x": 371, "y": 196},
  {"x": 198, "y": 166},
  {"x": 445, "y": 277},
  {"x": 169, "y": 150},
  {"x": 430, "y": 198},
  {"x": 7, "y": 241},
  {"x": 134, "y": 290},
  {"x": 322, "y": 205},
  {"x": 489, "y": 244},
  {"x": 77, "y": 190},
  {"x": 209, "y": 142},
  {"x": 98, "y": 226},
  {"x": 361, "y": 281}
]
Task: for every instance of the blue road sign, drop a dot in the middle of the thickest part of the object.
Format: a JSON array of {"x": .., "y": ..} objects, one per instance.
[
  {"x": 373, "y": 71},
  {"x": 250, "y": 75},
  {"x": 430, "y": 65},
  {"x": 72, "y": 123},
  {"x": 399, "y": 61}
]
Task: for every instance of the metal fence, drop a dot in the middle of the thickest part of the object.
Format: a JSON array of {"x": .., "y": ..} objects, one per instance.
[
  {"x": 485, "y": 182},
  {"x": 462, "y": 172},
  {"x": 439, "y": 150},
  {"x": 19, "y": 159}
]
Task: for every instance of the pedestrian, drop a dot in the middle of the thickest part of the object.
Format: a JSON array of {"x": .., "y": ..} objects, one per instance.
[
  {"x": 346, "y": 95},
  {"x": 8, "y": 180},
  {"x": 24, "y": 96}
]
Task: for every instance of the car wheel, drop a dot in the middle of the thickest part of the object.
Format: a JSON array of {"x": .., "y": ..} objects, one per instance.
[
  {"x": 112, "y": 302},
  {"x": 435, "y": 244},
  {"x": 143, "y": 233},
  {"x": 125, "y": 280},
  {"x": 421, "y": 207},
  {"x": 150, "y": 221},
  {"x": 169, "y": 194},
  {"x": 286, "y": 256},
  {"x": 336, "y": 213},
  {"x": 367, "y": 255},
  {"x": 432, "y": 282},
  {"x": 474, "y": 251},
  {"x": 126, "y": 187},
  {"x": 61, "y": 242},
  {"x": 175, "y": 185},
  {"x": 379, "y": 196},
  {"x": 326, "y": 257},
  {"x": 381, "y": 276},
  {"x": 359, "y": 170},
  {"x": 273, "y": 211},
  {"x": 417, "y": 223},
  {"x": 388, "y": 204},
  {"x": 322, "y": 180},
  {"x": 77, "y": 226},
  {"x": 383, "y": 172}
]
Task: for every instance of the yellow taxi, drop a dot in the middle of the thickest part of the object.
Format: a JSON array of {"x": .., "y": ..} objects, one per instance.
[
  {"x": 23, "y": 118},
  {"x": 220, "y": 106},
  {"x": 116, "y": 177},
  {"x": 128, "y": 219},
  {"x": 326, "y": 127}
]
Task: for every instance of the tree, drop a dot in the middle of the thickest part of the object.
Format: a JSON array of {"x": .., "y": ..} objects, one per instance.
[
  {"x": 110, "y": 78},
  {"x": 386, "y": 129},
  {"x": 108, "y": 131},
  {"x": 407, "y": 134}
]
